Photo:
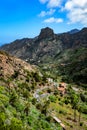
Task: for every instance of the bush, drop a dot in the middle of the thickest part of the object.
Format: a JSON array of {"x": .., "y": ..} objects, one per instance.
[
  {"x": 13, "y": 98},
  {"x": 61, "y": 103},
  {"x": 62, "y": 112},
  {"x": 48, "y": 118},
  {"x": 15, "y": 75},
  {"x": 66, "y": 101},
  {"x": 16, "y": 124},
  {"x": 83, "y": 97},
  {"x": 48, "y": 90},
  {"x": 56, "y": 92},
  {"x": 81, "y": 123},
  {"x": 34, "y": 100},
  {"x": 4, "y": 99},
  {"x": 84, "y": 109},
  {"x": 52, "y": 98},
  {"x": 36, "y": 76}
]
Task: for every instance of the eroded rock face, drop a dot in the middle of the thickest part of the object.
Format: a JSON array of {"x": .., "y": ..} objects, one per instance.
[{"x": 46, "y": 33}]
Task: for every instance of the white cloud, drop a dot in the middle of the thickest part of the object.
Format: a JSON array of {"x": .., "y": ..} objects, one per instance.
[
  {"x": 44, "y": 13},
  {"x": 53, "y": 20},
  {"x": 51, "y": 3},
  {"x": 54, "y": 3},
  {"x": 77, "y": 11}
]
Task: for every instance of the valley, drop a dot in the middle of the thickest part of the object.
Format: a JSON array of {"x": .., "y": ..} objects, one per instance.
[{"x": 43, "y": 82}]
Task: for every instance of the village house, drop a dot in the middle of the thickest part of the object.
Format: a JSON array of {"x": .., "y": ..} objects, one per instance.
[{"x": 62, "y": 88}]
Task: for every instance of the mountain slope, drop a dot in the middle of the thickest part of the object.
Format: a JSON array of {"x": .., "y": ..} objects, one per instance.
[
  {"x": 18, "y": 108},
  {"x": 46, "y": 46},
  {"x": 50, "y": 49},
  {"x": 73, "y": 65},
  {"x": 9, "y": 65}
]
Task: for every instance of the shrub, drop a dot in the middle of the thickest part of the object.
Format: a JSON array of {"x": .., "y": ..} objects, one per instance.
[
  {"x": 52, "y": 98},
  {"x": 81, "y": 123},
  {"x": 48, "y": 118},
  {"x": 49, "y": 90},
  {"x": 4, "y": 99},
  {"x": 36, "y": 76},
  {"x": 84, "y": 109},
  {"x": 61, "y": 103},
  {"x": 62, "y": 112},
  {"x": 13, "y": 98},
  {"x": 15, "y": 75},
  {"x": 66, "y": 101},
  {"x": 16, "y": 124},
  {"x": 34, "y": 100},
  {"x": 56, "y": 92}
]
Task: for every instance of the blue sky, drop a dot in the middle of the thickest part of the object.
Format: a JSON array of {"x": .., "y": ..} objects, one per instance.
[{"x": 25, "y": 18}]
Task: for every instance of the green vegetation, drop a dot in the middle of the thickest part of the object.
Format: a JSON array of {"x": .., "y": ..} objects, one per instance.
[
  {"x": 70, "y": 66},
  {"x": 28, "y": 101},
  {"x": 17, "y": 105},
  {"x": 70, "y": 109},
  {"x": 75, "y": 68}
]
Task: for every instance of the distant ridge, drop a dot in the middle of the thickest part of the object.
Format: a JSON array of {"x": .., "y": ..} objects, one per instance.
[{"x": 73, "y": 31}]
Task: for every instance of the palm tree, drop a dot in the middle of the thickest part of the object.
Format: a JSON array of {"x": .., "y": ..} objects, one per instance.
[
  {"x": 27, "y": 108},
  {"x": 80, "y": 110},
  {"x": 74, "y": 103},
  {"x": 45, "y": 107}
]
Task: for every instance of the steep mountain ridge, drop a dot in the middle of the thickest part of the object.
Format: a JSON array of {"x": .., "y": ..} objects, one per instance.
[{"x": 46, "y": 45}]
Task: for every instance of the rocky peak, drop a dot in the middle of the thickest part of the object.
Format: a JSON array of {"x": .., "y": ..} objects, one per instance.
[
  {"x": 46, "y": 33},
  {"x": 73, "y": 31}
]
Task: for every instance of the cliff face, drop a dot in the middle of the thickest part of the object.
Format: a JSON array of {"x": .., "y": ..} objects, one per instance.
[{"x": 46, "y": 33}]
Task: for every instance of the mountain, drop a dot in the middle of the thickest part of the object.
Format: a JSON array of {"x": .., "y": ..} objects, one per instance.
[
  {"x": 49, "y": 49},
  {"x": 46, "y": 46},
  {"x": 46, "y": 33},
  {"x": 73, "y": 31}
]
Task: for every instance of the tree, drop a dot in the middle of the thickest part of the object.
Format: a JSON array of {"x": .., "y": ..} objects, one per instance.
[
  {"x": 13, "y": 98},
  {"x": 45, "y": 107},
  {"x": 74, "y": 103},
  {"x": 80, "y": 109},
  {"x": 34, "y": 100},
  {"x": 27, "y": 108}
]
